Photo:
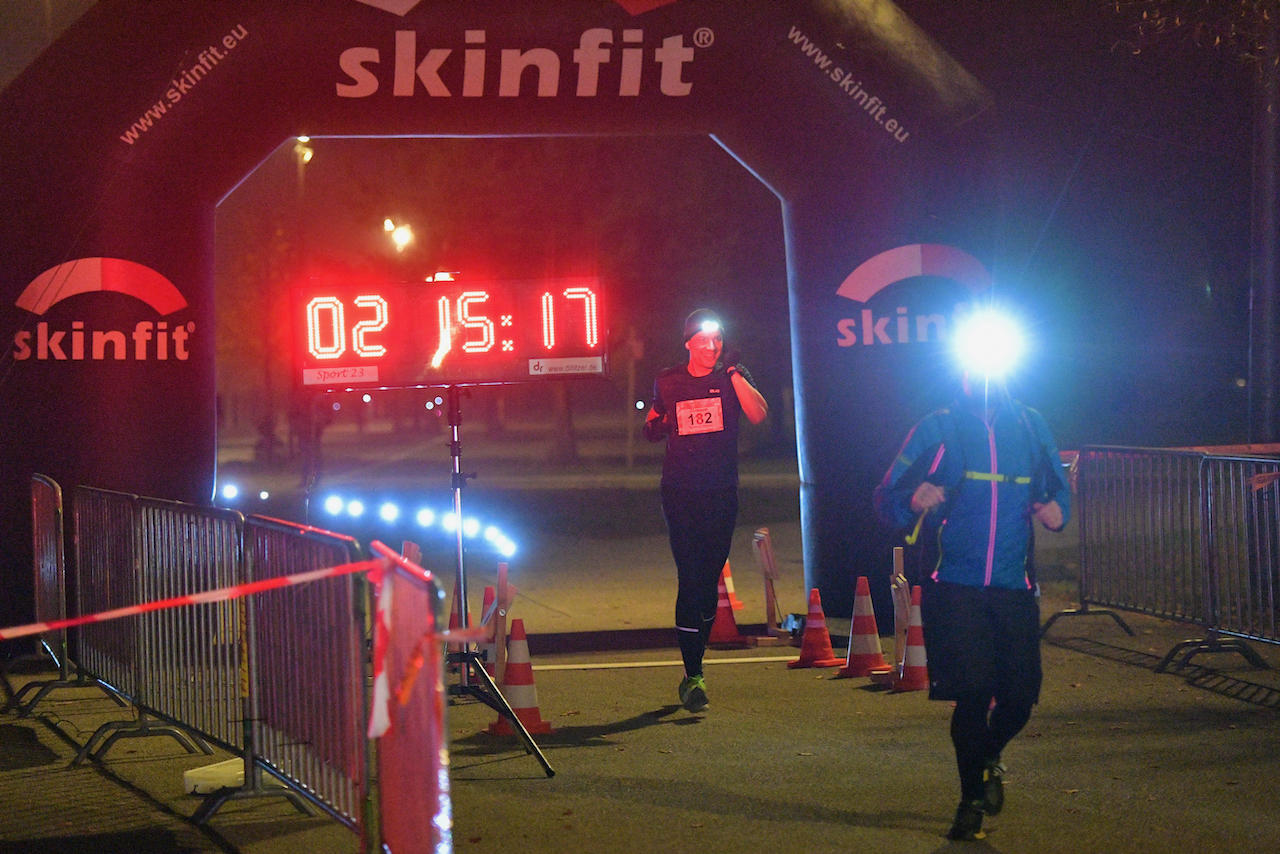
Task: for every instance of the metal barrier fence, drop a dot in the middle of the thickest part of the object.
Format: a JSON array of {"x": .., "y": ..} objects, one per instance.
[
  {"x": 308, "y": 666},
  {"x": 190, "y": 657},
  {"x": 1183, "y": 536},
  {"x": 107, "y": 577},
  {"x": 50, "y": 566},
  {"x": 50, "y": 585},
  {"x": 1140, "y": 531},
  {"x": 277, "y": 671},
  {"x": 1244, "y": 545},
  {"x": 131, "y": 550},
  {"x": 279, "y": 678}
]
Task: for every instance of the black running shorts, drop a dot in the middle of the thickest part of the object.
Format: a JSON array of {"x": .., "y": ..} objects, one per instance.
[{"x": 981, "y": 642}]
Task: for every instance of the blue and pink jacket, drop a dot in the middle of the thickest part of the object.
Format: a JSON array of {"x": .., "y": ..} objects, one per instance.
[{"x": 992, "y": 474}]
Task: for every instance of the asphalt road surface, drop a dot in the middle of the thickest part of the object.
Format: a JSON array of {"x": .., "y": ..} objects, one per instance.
[{"x": 1117, "y": 757}]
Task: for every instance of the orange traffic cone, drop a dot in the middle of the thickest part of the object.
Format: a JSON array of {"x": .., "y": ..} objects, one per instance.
[
  {"x": 724, "y": 631},
  {"x": 815, "y": 648},
  {"x": 726, "y": 575},
  {"x": 518, "y": 687},
  {"x": 865, "y": 656},
  {"x": 489, "y": 649},
  {"x": 915, "y": 669}
]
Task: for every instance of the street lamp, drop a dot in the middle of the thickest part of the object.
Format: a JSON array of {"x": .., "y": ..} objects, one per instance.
[
  {"x": 302, "y": 153},
  {"x": 401, "y": 235},
  {"x": 303, "y": 150}
]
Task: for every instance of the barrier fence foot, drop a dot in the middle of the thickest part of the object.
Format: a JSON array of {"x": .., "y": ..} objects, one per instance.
[
  {"x": 14, "y": 698},
  {"x": 44, "y": 686},
  {"x": 143, "y": 727},
  {"x": 1086, "y": 611},
  {"x": 216, "y": 801},
  {"x": 24, "y": 709},
  {"x": 489, "y": 694},
  {"x": 1193, "y": 647},
  {"x": 254, "y": 788}
]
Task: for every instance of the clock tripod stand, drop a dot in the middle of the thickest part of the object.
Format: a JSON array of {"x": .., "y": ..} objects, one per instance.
[{"x": 473, "y": 680}]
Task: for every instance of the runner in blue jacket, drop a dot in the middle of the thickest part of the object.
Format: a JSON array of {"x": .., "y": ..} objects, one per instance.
[{"x": 982, "y": 471}]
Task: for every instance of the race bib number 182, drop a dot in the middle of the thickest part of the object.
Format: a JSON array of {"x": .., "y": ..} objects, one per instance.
[{"x": 699, "y": 416}]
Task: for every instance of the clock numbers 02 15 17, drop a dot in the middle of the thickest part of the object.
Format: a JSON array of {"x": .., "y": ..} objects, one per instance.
[{"x": 437, "y": 332}]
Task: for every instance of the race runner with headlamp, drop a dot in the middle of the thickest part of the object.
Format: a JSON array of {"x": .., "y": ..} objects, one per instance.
[
  {"x": 984, "y": 470},
  {"x": 696, "y": 408}
]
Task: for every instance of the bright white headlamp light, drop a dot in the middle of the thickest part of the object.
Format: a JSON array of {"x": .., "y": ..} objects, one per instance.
[{"x": 988, "y": 343}]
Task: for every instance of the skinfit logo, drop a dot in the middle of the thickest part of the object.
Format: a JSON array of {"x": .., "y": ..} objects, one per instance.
[
  {"x": 147, "y": 340},
  {"x": 895, "y": 265},
  {"x": 443, "y": 72}
]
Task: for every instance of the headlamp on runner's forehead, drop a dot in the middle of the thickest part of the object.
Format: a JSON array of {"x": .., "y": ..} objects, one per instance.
[
  {"x": 988, "y": 343},
  {"x": 702, "y": 321}
]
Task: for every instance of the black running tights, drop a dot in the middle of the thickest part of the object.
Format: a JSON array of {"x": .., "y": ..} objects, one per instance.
[
  {"x": 979, "y": 733},
  {"x": 700, "y": 523}
]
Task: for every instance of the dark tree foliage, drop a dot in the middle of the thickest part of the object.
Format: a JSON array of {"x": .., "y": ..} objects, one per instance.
[{"x": 1239, "y": 27}]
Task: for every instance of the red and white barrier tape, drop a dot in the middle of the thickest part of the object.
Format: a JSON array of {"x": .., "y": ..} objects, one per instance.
[
  {"x": 375, "y": 567},
  {"x": 218, "y": 595}
]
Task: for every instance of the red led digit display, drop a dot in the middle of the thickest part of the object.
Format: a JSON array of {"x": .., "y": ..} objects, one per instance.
[{"x": 414, "y": 334}]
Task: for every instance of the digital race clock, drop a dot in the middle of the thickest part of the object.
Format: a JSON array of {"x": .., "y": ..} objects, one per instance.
[{"x": 438, "y": 333}]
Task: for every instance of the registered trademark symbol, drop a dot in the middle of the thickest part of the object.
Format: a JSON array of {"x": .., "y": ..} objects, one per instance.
[{"x": 703, "y": 37}]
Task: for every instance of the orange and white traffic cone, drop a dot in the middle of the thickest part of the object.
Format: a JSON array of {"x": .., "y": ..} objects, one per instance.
[
  {"x": 726, "y": 575},
  {"x": 815, "y": 648},
  {"x": 518, "y": 688},
  {"x": 489, "y": 649},
  {"x": 724, "y": 631},
  {"x": 915, "y": 668},
  {"x": 865, "y": 656}
]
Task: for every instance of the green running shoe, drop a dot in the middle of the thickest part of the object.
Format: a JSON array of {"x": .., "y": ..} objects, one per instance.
[{"x": 693, "y": 693}]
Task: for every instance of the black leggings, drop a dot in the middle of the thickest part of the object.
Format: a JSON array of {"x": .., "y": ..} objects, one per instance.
[
  {"x": 979, "y": 735},
  {"x": 700, "y": 523}
]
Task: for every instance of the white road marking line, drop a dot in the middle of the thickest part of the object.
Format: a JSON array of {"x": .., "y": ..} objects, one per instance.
[{"x": 620, "y": 665}]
